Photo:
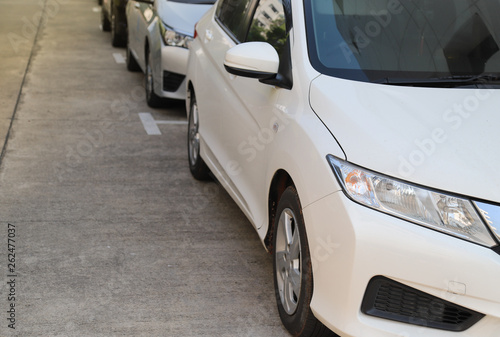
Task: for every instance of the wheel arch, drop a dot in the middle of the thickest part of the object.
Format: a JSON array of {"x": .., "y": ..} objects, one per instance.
[
  {"x": 281, "y": 180},
  {"x": 146, "y": 50},
  {"x": 189, "y": 92}
]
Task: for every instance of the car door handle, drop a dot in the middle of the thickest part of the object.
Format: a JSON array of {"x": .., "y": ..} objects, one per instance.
[{"x": 208, "y": 35}]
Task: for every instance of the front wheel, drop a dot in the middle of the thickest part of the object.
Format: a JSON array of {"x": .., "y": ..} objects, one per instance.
[
  {"x": 117, "y": 39},
  {"x": 293, "y": 279},
  {"x": 197, "y": 166},
  {"x": 152, "y": 98},
  {"x": 131, "y": 61},
  {"x": 105, "y": 23}
]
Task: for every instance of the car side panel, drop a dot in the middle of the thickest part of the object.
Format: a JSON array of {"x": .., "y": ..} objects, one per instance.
[
  {"x": 239, "y": 131},
  {"x": 137, "y": 20}
]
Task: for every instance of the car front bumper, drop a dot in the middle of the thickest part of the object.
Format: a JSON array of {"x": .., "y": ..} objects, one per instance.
[
  {"x": 173, "y": 72},
  {"x": 350, "y": 244}
]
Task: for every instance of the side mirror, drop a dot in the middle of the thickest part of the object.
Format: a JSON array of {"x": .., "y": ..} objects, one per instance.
[{"x": 252, "y": 59}]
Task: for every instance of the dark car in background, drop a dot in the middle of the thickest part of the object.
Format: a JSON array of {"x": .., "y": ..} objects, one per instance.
[{"x": 113, "y": 19}]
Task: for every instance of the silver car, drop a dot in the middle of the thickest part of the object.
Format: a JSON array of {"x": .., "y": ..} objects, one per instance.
[{"x": 159, "y": 34}]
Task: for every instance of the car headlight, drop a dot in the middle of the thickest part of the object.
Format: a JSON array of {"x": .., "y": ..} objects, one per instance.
[
  {"x": 446, "y": 213},
  {"x": 173, "y": 38}
]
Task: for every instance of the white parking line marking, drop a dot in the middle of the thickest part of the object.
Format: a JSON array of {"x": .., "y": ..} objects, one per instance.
[
  {"x": 172, "y": 122},
  {"x": 151, "y": 125},
  {"x": 119, "y": 58}
]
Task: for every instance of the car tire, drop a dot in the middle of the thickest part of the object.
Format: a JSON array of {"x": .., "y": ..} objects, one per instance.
[
  {"x": 197, "y": 166},
  {"x": 152, "y": 98},
  {"x": 293, "y": 279},
  {"x": 130, "y": 60},
  {"x": 117, "y": 40},
  {"x": 105, "y": 23}
]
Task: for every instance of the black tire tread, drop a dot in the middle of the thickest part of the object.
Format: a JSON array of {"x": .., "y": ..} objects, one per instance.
[
  {"x": 132, "y": 64},
  {"x": 153, "y": 100},
  {"x": 310, "y": 326},
  {"x": 199, "y": 170},
  {"x": 105, "y": 23},
  {"x": 117, "y": 40}
]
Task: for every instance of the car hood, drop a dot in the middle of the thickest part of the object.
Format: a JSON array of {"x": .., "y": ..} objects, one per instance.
[
  {"x": 445, "y": 138},
  {"x": 181, "y": 16}
]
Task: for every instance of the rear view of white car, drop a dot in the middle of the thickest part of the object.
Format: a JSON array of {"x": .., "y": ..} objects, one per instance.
[
  {"x": 360, "y": 138},
  {"x": 159, "y": 34}
]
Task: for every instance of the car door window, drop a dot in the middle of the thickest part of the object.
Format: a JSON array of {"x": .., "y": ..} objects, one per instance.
[
  {"x": 268, "y": 25},
  {"x": 232, "y": 14}
]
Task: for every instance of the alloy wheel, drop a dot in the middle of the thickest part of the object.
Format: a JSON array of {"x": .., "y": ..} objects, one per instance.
[
  {"x": 288, "y": 264},
  {"x": 194, "y": 136}
]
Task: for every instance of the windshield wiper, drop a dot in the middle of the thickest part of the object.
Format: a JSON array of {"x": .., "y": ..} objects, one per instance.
[
  {"x": 473, "y": 79},
  {"x": 447, "y": 81}
]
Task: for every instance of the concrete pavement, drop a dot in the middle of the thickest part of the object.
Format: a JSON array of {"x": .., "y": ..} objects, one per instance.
[{"x": 112, "y": 236}]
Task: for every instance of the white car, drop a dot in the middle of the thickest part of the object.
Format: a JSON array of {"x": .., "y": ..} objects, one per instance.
[
  {"x": 159, "y": 34},
  {"x": 360, "y": 138}
]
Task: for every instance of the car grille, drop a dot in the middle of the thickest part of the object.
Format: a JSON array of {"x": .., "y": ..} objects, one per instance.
[
  {"x": 392, "y": 300},
  {"x": 172, "y": 81}
]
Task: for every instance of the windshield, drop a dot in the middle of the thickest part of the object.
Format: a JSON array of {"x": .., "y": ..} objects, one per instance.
[{"x": 380, "y": 40}]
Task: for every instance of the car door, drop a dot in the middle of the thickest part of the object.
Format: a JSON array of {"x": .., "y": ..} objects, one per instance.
[
  {"x": 239, "y": 128},
  {"x": 139, "y": 16}
]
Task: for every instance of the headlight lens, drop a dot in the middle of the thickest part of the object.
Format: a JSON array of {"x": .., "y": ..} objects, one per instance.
[
  {"x": 446, "y": 213},
  {"x": 173, "y": 38},
  {"x": 491, "y": 215}
]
